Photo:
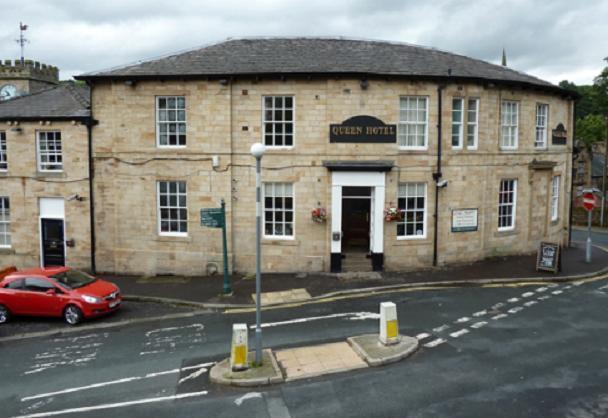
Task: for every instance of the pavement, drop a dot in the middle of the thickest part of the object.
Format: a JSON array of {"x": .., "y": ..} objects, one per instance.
[{"x": 280, "y": 288}]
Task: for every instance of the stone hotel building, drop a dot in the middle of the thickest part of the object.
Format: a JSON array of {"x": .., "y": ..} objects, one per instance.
[{"x": 379, "y": 155}]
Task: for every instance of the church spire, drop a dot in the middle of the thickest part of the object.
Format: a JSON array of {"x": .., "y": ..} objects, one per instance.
[{"x": 504, "y": 57}]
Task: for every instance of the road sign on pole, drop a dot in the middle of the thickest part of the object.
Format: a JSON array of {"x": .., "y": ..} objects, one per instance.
[
  {"x": 589, "y": 201},
  {"x": 216, "y": 218}
]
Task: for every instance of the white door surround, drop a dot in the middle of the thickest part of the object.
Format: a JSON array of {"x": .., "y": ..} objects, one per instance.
[
  {"x": 50, "y": 208},
  {"x": 373, "y": 179}
]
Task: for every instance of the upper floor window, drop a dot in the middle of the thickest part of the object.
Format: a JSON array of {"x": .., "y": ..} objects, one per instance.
[
  {"x": 472, "y": 123},
  {"x": 172, "y": 208},
  {"x": 542, "y": 112},
  {"x": 3, "y": 155},
  {"x": 278, "y": 210},
  {"x": 509, "y": 124},
  {"x": 50, "y": 156},
  {"x": 457, "y": 122},
  {"x": 464, "y": 118},
  {"x": 507, "y": 201},
  {"x": 171, "y": 121},
  {"x": 413, "y": 122},
  {"x": 411, "y": 201},
  {"x": 555, "y": 198},
  {"x": 5, "y": 222},
  {"x": 278, "y": 121}
]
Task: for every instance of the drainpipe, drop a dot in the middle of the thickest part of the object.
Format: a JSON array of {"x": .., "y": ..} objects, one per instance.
[
  {"x": 572, "y": 173},
  {"x": 437, "y": 174},
  {"x": 90, "y": 123}
]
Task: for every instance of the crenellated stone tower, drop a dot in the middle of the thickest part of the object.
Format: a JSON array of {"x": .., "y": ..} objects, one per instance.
[{"x": 17, "y": 79}]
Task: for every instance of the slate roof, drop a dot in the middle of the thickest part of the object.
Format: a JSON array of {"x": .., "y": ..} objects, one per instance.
[
  {"x": 323, "y": 56},
  {"x": 63, "y": 101}
]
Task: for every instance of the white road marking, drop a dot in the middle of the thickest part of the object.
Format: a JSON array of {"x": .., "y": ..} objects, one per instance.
[
  {"x": 114, "y": 405},
  {"x": 499, "y": 316},
  {"x": 480, "y": 313},
  {"x": 544, "y": 297},
  {"x": 498, "y": 305},
  {"x": 557, "y": 292},
  {"x": 159, "y": 330},
  {"x": 348, "y": 315},
  {"x": 528, "y": 294},
  {"x": 115, "y": 382},
  {"x": 601, "y": 288},
  {"x": 541, "y": 289},
  {"x": 513, "y": 300},
  {"x": 78, "y": 351},
  {"x": 434, "y": 343},
  {"x": 567, "y": 287},
  {"x": 191, "y": 376},
  {"x": 530, "y": 303},
  {"x": 441, "y": 328},
  {"x": 161, "y": 340},
  {"x": 479, "y": 324},
  {"x": 515, "y": 310},
  {"x": 578, "y": 283},
  {"x": 250, "y": 395},
  {"x": 459, "y": 333},
  {"x": 463, "y": 319},
  {"x": 422, "y": 336},
  {"x": 552, "y": 285}
]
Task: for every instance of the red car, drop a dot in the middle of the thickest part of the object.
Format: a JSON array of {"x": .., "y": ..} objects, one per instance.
[{"x": 57, "y": 291}]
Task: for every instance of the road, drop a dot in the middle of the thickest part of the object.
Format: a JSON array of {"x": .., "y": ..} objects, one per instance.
[
  {"x": 597, "y": 237},
  {"x": 527, "y": 351}
]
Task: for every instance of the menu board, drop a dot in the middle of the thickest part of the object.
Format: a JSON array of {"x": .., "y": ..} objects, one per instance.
[{"x": 548, "y": 257}]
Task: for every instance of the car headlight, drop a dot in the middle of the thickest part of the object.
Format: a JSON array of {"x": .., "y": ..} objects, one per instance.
[{"x": 91, "y": 299}]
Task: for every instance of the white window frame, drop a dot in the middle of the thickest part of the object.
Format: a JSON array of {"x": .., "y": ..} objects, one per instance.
[
  {"x": 511, "y": 126},
  {"x": 425, "y": 211},
  {"x": 555, "y": 185},
  {"x": 3, "y": 152},
  {"x": 284, "y": 122},
  {"x": 5, "y": 219},
  {"x": 39, "y": 152},
  {"x": 169, "y": 206},
  {"x": 167, "y": 122},
  {"x": 458, "y": 124},
  {"x": 513, "y": 205},
  {"x": 405, "y": 124},
  {"x": 265, "y": 209},
  {"x": 542, "y": 123},
  {"x": 470, "y": 124}
]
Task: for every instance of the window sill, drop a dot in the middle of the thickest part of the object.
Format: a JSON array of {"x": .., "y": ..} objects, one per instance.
[
  {"x": 278, "y": 149},
  {"x": 7, "y": 250},
  {"x": 173, "y": 238},
  {"x": 506, "y": 232},
  {"x": 404, "y": 241},
  {"x": 288, "y": 241},
  {"x": 415, "y": 150},
  {"x": 508, "y": 149},
  {"x": 170, "y": 147},
  {"x": 56, "y": 173}
]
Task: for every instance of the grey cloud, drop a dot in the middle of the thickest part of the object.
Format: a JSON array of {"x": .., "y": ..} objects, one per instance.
[{"x": 552, "y": 40}]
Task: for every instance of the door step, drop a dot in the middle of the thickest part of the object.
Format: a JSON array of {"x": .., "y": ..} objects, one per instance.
[{"x": 353, "y": 262}]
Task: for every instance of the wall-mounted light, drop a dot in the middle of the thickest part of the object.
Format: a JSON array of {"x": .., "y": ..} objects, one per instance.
[
  {"x": 364, "y": 84},
  {"x": 224, "y": 81},
  {"x": 130, "y": 83},
  {"x": 17, "y": 130},
  {"x": 75, "y": 197}
]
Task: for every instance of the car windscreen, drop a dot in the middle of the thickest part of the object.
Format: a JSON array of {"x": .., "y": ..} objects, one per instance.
[{"x": 73, "y": 279}]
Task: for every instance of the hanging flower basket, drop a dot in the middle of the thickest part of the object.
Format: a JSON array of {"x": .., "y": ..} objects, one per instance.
[
  {"x": 392, "y": 214},
  {"x": 318, "y": 215}
]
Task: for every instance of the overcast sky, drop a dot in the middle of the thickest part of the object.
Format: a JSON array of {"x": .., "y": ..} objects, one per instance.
[{"x": 553, "y": 40}]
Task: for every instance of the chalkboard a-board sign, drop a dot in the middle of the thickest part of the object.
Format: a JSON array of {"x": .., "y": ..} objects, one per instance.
[{"x": 548, "y": 257}]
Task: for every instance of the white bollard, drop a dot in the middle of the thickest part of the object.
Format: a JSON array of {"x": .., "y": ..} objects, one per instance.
[
  {"x": 389, "y": 327},
  {"x": 238, "y": 352}
]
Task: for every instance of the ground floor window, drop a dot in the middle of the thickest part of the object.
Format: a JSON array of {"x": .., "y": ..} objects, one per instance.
[
  {"x": 555, "y": 198},
  {"x": 172, "y": 208},
  {"x": 5, "y": 222},
  {"x": 412, "y": 206},
  {"x": 507, "y": 200},
  {"x": 278, "y": 210}
]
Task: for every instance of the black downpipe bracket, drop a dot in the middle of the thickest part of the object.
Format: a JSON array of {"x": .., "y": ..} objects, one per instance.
[
  {"x": 437, "y": 174},
  {"x": 90, "y": 123}
]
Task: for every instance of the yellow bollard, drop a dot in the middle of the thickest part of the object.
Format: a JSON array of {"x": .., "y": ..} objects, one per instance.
[
  {"x": 238, "y": 352},
  {"x": 389, "y": 325}
]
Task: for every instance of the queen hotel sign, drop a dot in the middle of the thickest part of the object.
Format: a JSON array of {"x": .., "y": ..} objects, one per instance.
[{"x": 362, "y": 129}]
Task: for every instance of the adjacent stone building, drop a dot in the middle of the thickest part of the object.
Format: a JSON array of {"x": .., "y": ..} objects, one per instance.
[
  {"x": 18, "y": 79},
  {"x": 379, "y": 155},
  {"x": 44, "y": 178}
]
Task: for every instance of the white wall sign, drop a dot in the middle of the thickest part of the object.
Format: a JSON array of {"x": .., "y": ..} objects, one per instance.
[{"x": 464, "y": 220}]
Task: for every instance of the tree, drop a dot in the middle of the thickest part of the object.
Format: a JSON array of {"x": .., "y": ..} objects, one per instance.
[{"x": 590, "y": 130}]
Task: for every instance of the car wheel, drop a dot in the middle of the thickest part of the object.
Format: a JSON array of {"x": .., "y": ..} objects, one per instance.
[
  {"x": 4, "y": 314},
  {"x": 72, "y": 314}
]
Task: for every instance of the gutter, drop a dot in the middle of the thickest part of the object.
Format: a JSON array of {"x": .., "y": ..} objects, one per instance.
[{"x": 437, "y": 174}]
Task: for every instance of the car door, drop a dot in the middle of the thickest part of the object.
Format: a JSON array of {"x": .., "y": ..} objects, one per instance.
[
  {"x": 11, "y": 296},
  {"x": 37, "y": 301}
]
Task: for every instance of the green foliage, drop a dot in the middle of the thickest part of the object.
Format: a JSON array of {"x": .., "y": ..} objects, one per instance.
[{"x": 591, "y": 129}]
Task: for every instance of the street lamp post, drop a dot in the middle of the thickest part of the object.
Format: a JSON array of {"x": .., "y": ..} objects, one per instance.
[{"x": 257, "y": 150}]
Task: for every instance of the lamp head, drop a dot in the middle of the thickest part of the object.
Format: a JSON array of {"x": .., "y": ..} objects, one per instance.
[{"x": 258, "y": 150}]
